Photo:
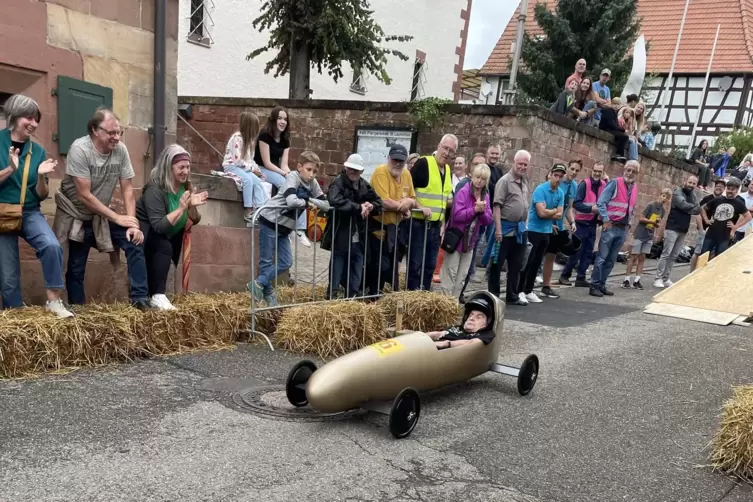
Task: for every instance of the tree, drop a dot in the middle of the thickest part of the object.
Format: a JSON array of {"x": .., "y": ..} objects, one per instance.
[
  {"x": 324, "y": 34},
  {"x": 741, "y": 139},
  {"x": 600, "y": 31}
]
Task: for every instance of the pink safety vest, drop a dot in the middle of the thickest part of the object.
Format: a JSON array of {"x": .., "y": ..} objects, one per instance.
[
  {"x": 620, "y": 206},
  {"x": 590, "y": 198}
]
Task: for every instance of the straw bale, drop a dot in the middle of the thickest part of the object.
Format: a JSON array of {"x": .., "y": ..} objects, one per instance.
[
  {"x": 266, "y": 321},
  {"x": 330, "y": 329},
  {"x": 422, "y": 310},
  {"x": 733, "y": 443}
]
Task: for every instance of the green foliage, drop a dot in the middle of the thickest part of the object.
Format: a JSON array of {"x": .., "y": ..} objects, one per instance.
[
  {"x": 427, "y": 112},
  {"x": 336, "y": 31},
  {"x": 600, "y": 31},
  {"x": 741, "y": 139}
]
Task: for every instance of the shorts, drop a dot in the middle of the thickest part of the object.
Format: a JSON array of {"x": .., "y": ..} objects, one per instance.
[
  {"x": 699, "y": 242},
  {"x": 557, "y": 242},
  {"x": 641, "y": 247}
]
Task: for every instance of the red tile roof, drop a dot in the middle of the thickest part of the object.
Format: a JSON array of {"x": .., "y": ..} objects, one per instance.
[{"x": 661, "y": 24}]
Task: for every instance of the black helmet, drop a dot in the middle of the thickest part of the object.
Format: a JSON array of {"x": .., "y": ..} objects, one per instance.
[
  {"x": 483, "y": 305},
  {"x": 573, "y": 245}
]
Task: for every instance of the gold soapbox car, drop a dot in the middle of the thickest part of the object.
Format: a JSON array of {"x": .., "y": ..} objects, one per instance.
[{"x": 398, "y": 369}]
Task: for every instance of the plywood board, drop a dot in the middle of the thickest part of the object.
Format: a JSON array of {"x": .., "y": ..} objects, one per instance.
[
  {"x": 725, "y": 284},
  {"x": 690, "y": 313},
  {"x": 703, "y": 260}
]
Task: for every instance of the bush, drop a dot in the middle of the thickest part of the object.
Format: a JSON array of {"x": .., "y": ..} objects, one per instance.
[{"x": 741, "y": 139}]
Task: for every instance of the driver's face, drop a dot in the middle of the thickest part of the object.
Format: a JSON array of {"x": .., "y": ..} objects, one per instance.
[{"x": 476, "y": 322}]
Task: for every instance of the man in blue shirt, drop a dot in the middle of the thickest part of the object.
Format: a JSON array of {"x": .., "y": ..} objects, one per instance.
[
  {"x": 603, "y": 94},
  {"x": 547, "y": 203},
  {"x": 565, "y": 225}
]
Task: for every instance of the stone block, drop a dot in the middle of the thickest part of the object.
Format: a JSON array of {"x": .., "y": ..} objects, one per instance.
[
  {"x": 83, "y": 6},
  {"x": 28, "y": 17},
  {"x": 110, "y": 73},
  {"x": 140, "y": 112},
  {"x": 137, "y": 142},
  {"x": 92, "y": 36},
  {"x": 221, "y": 246},
  {"x": 121, "y": 11}
]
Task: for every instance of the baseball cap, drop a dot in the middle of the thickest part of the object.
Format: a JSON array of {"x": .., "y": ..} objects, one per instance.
[
  {"x": 558, "y": 167},
  {"x": 606, "y": 71},
  {"x": 355, "y": 161},
  {"x": 398, "y": 152}
]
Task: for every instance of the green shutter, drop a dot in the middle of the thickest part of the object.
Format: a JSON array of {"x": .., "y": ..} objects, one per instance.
[{"x": 77, "y": 101}]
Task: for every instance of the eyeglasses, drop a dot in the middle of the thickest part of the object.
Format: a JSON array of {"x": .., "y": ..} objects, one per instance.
[{"x": 113, "y": 133}]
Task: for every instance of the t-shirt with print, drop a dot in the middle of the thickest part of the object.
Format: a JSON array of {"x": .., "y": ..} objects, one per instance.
[
  {"x": 705, "y": 201},
  {"x": 552, "y": 198},
  {"x": 604, "y": 93},
  {"x": 103, "y": 170},
  {"x": 748, "y": 198},
  {"x": 723, "y": 210},
  {"x": 387, "y": 187},
  {"x": 569, "y": 189},
  {"x": 655, "y": 212},
  {"x": 276, "y": 149}
]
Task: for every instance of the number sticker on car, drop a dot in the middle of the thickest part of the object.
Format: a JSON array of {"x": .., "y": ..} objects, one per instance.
[{"x": 387, "y": 347}]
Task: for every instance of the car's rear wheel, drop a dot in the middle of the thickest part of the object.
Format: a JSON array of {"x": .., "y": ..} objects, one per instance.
[
  {"x": 406, "y": 408},
  {"x": 529, "y": 372},
  {"x": 295, "y": 385}
]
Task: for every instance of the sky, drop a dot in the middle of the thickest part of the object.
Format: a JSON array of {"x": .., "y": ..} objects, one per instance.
[{"x": 488, "y": 19}]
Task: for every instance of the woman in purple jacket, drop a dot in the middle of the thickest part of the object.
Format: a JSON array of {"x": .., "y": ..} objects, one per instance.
[{"x": 471, "y": 210}]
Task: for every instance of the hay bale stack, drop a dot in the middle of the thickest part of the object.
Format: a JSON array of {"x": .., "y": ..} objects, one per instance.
[
  {"x": 266, "y": 321},
  {"x": 330, "y": 329},
  {"x": 733, "y": 444},
  {"x": 423, "y": 310}
]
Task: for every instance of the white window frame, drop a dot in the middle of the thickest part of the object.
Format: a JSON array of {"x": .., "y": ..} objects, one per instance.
[{"x": 201, "y": 33}]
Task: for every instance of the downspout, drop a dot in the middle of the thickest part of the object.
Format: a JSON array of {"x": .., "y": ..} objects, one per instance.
[{"x": 160, "y": 57}]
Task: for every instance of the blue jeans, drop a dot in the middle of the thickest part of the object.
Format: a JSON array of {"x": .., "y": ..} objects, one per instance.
[
  {"x": 269, "y": 268},
  {"x": 488, "y": 245},
  {"x": 609, "y": 246},
  {"x": 587, "y": 235},
  {"x": 347, "y": 271},
  {"x": 714, "y": 246},
  {"x": 278, "y": 180},
  {"x": 417, "y": 257},
  {"x": 632, "y": 149},
  {"x": 253, "y": 193},
  {"x": 38, "y": 234},
  {"x": 78, "y": 255}
]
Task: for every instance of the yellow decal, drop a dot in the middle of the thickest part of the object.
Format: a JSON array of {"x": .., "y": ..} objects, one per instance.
[{"x": 387, "y": 347}]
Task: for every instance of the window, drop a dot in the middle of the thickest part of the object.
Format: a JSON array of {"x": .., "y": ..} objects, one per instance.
[
  {"x": 419, "y": 78},
  {"x": 358, "y": 85},
  {"x": 200, "y": 22}
]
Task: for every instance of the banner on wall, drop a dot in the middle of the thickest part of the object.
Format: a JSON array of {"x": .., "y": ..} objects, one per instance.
[{"x": 373, "y": 143}]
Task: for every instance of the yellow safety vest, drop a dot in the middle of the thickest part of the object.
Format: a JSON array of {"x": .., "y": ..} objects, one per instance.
[{"x": 434, "y": 195}]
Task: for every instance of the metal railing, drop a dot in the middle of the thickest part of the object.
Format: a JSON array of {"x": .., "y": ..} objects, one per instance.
[{"x": 370, "y": 291}]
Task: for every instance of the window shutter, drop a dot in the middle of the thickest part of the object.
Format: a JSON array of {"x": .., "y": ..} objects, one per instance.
[{"x": 77, "y": 101}]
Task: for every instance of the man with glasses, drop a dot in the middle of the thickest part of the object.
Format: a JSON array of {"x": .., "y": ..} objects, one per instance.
[
  {"x": 432, "y": 181},
  {"x": 95, "y": 165}
]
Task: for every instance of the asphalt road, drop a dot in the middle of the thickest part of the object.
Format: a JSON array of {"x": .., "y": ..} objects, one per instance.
[{"x": 624, "y": 409}]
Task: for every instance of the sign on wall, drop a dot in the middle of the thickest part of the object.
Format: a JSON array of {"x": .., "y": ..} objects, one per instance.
[{"x": 373, "y": 143}]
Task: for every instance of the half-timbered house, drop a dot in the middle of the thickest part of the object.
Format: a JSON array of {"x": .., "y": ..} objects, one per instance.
[{"x": 728, "y": 101}]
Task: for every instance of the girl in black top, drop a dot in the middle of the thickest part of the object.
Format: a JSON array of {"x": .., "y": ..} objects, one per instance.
[{"x": 699, "y": 158}]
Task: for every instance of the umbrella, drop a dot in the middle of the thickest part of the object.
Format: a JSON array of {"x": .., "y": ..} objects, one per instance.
[{"x": 187, "y": 255}]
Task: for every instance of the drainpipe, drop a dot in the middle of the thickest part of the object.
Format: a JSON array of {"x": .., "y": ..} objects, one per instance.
[{"x": 160, "y": 56}]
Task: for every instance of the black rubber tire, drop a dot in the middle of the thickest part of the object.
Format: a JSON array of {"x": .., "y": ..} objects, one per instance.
[
  {"x": 406, "y": 408},
  {"x": 299, "y": 374},
  {"x": 529, "y": 372}
]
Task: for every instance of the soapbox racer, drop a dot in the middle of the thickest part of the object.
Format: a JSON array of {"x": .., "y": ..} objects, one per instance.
[{"x": 397, "y": 369}]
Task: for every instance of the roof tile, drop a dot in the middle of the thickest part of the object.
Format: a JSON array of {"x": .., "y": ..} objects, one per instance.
[{"x": 661, "y": 24}]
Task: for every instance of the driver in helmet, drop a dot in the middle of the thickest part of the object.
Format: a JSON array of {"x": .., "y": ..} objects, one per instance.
[{"x": 477, "y": 327}]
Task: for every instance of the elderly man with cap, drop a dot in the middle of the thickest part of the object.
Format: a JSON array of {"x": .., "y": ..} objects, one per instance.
[
  {"x": 393, "y": 183},
  {"x": 352, "y": 201}
]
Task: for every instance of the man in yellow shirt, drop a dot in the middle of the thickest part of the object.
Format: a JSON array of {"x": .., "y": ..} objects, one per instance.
[{"x": 394, "y": 185}]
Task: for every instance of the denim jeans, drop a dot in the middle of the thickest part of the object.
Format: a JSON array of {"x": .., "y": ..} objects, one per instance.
[
  {"x": 673, "y": 244},
  {"x": 587, "y": 235},
  {"x": 38, "y": 234},
  {"x": 715, "y": 247},
  {"x": 417, "y": 256},
  {"x": 78, "y": 255},
  {"x": 489, "y": 244},
  {"x": 347, "y": 271},
  {"x": 269, "y": 268},
  {"x": 609, "y": 246},
  {"x": 277, "y": 180},
  {"x": 253, "y": 193},
  {"x": 632, "y": 149}
]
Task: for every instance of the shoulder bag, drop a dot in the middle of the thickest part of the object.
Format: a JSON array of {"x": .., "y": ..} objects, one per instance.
[{"x": 11, "y": 215}]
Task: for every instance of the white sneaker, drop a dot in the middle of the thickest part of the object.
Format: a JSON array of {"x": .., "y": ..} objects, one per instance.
[
  {"x": 668, "y": 283},
  {"x": 522, "y": 298},
  {"x": 303, "y": 240},
  {"x": 658, "y": 283},
  {"x": 531, "y": 297},
  {"x": 161, "y": 302},
  {"x": 56, "y": 307},
  {"x": 539, "y": 281}
]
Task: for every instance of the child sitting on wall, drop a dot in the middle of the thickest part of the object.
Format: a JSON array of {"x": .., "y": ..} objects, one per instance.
[{"x": 278, "y": 220}]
